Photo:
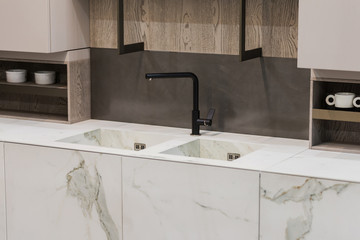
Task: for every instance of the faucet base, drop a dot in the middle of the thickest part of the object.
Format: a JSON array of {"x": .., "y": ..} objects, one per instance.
[{"x": 195, "y": 125}]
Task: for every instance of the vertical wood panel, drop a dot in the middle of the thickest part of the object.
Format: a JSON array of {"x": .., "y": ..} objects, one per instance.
[
  {"x": 230, "y": 26},
  {"x": 79, "y": 90},
  {"x": 205, "y": 26},
  {"x": 202, "y": 26},
  {"x": 103, "y": 23},
  {"x": 134, "y": 13},
  {"x": 254, "y": 11},
  {"x": 280, "y": 28}
]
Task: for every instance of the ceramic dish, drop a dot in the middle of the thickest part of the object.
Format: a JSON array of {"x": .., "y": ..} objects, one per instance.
[
  {"x": 16, "y": 75},
  {"x": 45, "y": 77}
]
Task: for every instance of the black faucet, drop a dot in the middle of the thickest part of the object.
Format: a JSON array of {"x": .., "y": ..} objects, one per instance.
[{"x": 196, "y": 120}]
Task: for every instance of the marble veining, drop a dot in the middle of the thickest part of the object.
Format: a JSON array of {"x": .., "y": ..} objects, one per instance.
[
  {"x": 218, "y": 210},
  {"x": 89, "y": 192},
  {"x": 62, "y": 194},
  {"x": 121, "y": 139},
  {"x": 177, "y": 201},
  {"x": 310, "y": 191},
  {"x": 212, "y": 149}
]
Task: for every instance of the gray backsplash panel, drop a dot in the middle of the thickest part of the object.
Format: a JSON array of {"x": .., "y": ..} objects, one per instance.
[{"x": 267, "y": 96}]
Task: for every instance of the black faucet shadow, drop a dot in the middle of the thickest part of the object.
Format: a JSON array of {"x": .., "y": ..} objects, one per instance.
[{"x": 196, "y": 120}]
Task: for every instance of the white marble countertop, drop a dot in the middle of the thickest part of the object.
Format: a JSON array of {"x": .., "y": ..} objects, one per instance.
[{"x": 278, "y": 155}]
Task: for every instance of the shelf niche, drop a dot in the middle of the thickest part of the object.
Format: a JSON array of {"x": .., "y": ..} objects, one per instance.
[
  {"x": 66, "y": 101},
  {"x": 332, "y": 128}
]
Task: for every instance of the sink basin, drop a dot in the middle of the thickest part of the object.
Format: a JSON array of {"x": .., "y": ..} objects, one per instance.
[
  {"x": 121, "y": 139},
  {"x": 219, "y": 150}
]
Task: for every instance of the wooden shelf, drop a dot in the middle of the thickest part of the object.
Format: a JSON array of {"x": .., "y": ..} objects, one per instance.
[
  {"x": 338, "y": 147},
  {"x": 335, "y": 80},
  {"x": 67, "y": 101},
  {"x": 54, "y": 90},
  {"x": 34, "y": 116},
  {"x": 333, "y": 129},
  {"x": 336, "y": 115}
]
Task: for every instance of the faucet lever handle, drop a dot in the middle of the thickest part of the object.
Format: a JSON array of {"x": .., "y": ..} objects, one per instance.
[{"x": 211, "y": 113}]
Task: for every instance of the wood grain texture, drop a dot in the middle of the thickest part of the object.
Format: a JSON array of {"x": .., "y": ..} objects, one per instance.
[
  {"x": 103, "y": 23},
  {"x": 337, "y": 115},
  {"x": 34, "y": 116},
  {"x": 202, "y": 26},
  {"x": 280, "y": 28},
  {"x": 254, "y": 20},
  {"x": 28, "y": 103},
  {"x": 341, "y": 132},
  {"x": 79, "y": 90},
  {"x": 206, "y": 26},
  {"x": 338, "y": 132},
  {"x": 338, "y": 147}
]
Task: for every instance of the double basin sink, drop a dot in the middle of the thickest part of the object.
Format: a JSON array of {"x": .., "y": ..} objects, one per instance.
[{"x": 197, "y": 147}]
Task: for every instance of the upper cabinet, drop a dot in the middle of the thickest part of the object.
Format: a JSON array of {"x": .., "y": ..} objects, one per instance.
[
  {"x": 206, "y": 26},
  {"x": 44, "y": 26},
  {"x": 329, "y": 35}
]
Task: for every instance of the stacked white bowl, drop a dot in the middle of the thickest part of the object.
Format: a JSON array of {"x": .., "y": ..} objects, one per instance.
[
  {"x": 16, "y": 75},
  {"x": 45, "y": 77}
]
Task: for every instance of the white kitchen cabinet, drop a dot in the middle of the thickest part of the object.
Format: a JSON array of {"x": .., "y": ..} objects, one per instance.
[
  {"x": 307, "y": 208},
  {"x": 176, "y": 201},
  {"x": 62, "y": 194},
  {"x": 329, "y": 35},
  {"x": 2, "y": 195},
  {"x": 44, "y": 26}
]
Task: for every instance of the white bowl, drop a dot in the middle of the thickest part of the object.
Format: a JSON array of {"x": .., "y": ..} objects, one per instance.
[
  {"x": 45, "y": 77},
  {"x": 16, "y": 75}
]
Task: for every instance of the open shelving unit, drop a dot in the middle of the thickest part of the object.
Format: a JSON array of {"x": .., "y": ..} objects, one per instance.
[
  {"x": 56, "y": 90},
  {"x": 331, "y": 128},
  {"x": 66, "y": 101}
]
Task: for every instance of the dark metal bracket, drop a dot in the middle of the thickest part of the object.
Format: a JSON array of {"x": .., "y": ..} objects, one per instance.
[
  {"x": 129, "y": 48},
  {"x": 249, "y": 54},
  {"x": 137, "y": 47}
]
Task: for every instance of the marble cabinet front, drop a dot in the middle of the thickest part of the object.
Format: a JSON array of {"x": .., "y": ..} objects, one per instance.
[
  {"x": 62, "y": 194},
  {"x": 293, "y": 208},
  {"x": 177, "y": 201},
  {"x": 2, "y": 195}
]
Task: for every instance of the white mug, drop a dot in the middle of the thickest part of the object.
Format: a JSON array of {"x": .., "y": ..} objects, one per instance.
[{"x": 343, "y": 100}]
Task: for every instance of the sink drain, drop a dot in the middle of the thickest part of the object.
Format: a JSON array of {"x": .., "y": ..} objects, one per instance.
[
  {"x": 233, "y": 156},
  {"x": 139, "y": 146}
]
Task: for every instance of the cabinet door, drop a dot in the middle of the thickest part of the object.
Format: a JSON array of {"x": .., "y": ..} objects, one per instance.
[
  {"x": 305, "y": 208},
  {"x": 178, "y": 201},
  {"x": 70, "y": 24},
  {"x": 2, "y": 195},
  {"x": 329, "y": 35},
  {"x": 62, "y": 194},
  {"x": 24, "y": 25}
]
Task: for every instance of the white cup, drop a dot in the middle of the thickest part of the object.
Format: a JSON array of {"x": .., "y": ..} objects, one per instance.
[
  {"x": 343, "y": 100},
  {"x": 356, "y": 103}
]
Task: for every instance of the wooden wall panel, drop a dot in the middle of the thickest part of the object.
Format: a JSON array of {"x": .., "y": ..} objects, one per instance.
[
  {"x": 280, "y": 28},
  {"x": 254, "y": 11},
  {"x": 79, "y": 90},
  {"x": 201, "y": 26},
  {"x": 103, "y": 23},
  {"x": 204, "y": 26}
]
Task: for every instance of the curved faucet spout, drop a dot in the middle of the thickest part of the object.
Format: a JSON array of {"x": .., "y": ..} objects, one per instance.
[
  {"x": 196, "y": 121},
  {"x": 151, "y": 76}
]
